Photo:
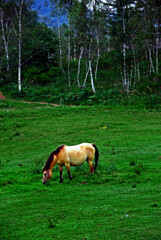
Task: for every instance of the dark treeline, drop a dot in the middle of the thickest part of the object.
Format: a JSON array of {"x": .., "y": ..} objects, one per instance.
[{"x": 103, "y": 46}]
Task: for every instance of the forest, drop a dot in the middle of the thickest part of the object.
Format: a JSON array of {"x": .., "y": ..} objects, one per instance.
[{"x": 104, "y": 52}]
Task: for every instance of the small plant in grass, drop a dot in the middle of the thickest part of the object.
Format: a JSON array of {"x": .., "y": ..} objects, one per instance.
[
  {"x": 51, "y": 224},
  {"x": 138, "y": 170},
  {"x": 113, "y": 151},
  {"x": 132, "y": 163}
]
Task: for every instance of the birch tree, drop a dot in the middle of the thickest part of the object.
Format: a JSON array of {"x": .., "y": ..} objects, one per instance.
[
  {"x": 90, "y": 68},
  {"x": 5, "y": 40},
  {"x": 69, "y": 52},
  {"x": 60, "y": 45},
  {"x": 79, "y": 64},
  {"x": 19, "y": 16}
]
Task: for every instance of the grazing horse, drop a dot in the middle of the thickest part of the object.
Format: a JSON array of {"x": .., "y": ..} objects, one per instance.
[{"x": 71, "y": 156}]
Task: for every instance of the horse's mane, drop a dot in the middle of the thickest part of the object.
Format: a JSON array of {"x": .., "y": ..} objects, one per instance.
[{"x": 50, "y": 159}]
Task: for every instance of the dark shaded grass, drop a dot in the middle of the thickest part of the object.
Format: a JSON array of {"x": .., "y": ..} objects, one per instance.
[{"x": 121, "y": 201}]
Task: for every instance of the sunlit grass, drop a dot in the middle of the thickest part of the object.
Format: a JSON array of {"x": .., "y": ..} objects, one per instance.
[{"x": 121, "y": 201}]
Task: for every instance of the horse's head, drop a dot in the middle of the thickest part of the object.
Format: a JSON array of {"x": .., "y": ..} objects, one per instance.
[{"x": 46, "y": 176}]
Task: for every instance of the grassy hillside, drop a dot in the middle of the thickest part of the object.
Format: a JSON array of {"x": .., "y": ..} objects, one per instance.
[{"x": 121, "y": 201}]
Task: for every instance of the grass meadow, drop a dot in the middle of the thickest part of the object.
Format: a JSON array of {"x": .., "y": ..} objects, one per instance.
[{"x": 121, "y": 201}]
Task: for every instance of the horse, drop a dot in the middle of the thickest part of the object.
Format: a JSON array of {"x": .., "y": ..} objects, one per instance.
[{"x": 71, "y": 156}]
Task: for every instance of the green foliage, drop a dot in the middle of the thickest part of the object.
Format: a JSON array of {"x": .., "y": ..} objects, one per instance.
[
  {"x": 36, "y": 76},
  {"x": 109, "y": 70},
  {"x": 53, "y": 93}
]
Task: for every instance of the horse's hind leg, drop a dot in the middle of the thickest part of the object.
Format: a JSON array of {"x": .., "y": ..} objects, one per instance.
[
  {"x": 67, "y": 165},
  {"x": 61, "y": 174},
  {"x": 91, "y": 166}
]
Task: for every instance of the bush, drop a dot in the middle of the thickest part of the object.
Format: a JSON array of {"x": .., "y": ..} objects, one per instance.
[
  {"x": 35, "y": 75},
  {"x": 55, "y": 93}
]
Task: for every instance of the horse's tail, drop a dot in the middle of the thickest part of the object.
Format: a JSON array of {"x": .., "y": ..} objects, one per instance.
[{"x": 96, "y": 156}]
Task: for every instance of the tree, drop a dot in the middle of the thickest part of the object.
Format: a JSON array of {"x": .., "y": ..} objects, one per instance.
[
  {"x": 7, "y": 31},
  {"x": 4, "y": 36},
  {"x": 85, "y": 29}
]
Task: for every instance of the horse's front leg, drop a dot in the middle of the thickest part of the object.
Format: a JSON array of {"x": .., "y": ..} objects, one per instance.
[
  {"x": 67, "y": 165},
  {"x": 61, "y": 174}
]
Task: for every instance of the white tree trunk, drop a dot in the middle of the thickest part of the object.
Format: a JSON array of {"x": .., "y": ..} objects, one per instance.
[
  {"x": 134, "y": 66},
  {"x": 68, "y": 73},
  {"x": 98, "y": 56},
  {"x": 60, "y": 46},
  {"x": 138, "y": 71},
  {"x": 69, "y": 53},
  {"x": 90, "y": 69},
  {"x": 59, "y": 36},
  {"x": 108, "y": 36},
  {"x": 124, "y": 58},
  {"x": 69, "y": 49},
  {"x": 92, "y": 82},
  {"x": 157, "y": 46},
  {"x": 19, "y": 53},
  {"x": 151, "y": 61},
  {"x": 20, "y": 43},
  {"x": 74, "y": 47},
  {"x": 87, "y": 72},
  {"x": 79, "y": 62},
  {"x": 4, "y": 39}
]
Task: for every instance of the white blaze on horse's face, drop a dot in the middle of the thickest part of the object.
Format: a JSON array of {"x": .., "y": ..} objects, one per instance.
[{"x": 46, "y": 176}]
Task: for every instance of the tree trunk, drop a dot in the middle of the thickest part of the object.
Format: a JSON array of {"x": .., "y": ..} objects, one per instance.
[
  {"x": 80, "y": 57},
  {"x": 157, "y": 46},
  {"x": 92, "y": 82},
  {"x": 90, "y": 70},
  {"x": 19, "y": 53},
  {"x": 69, "y": 53},
  {"x": 134, "y": 66},
  {"x": 138, "y": 71},
  {"x": 74, "y": 47},
  {"x": 150, "y": 60},
  {"x": 130, "y": 77},
  {"x": 108, "y": 36},
  {"x": 60, "y": 47},
  {"x": 124, "y": 58},
  {"x": 87, "y": 72},
  {"x": 4, "y": 39},
  {"x": 20, "y": 44},
  {"x": 98, "y": 56}
]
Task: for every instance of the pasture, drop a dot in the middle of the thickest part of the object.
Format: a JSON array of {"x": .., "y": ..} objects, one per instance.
[{"x": 121, "y": 201}]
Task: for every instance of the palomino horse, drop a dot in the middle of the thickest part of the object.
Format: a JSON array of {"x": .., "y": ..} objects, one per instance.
[{"x": 71, "y": 156}]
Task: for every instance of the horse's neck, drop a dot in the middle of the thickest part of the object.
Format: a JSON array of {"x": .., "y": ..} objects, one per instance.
[{"x": 53, "y": 163}]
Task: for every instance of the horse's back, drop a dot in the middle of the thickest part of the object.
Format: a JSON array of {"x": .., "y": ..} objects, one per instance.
[
  {"x": 83, "y": 147},
  {"x": 79, "y": 153}
]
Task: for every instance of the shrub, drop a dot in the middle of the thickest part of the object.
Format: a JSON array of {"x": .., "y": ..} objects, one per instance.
[{"x": 35, "y": 75}]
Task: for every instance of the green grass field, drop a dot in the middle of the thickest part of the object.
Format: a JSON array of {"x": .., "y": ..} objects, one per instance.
[{"x": 121, "y": 201}]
